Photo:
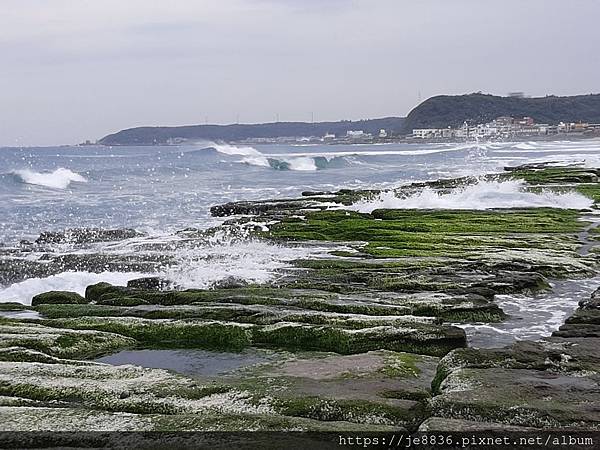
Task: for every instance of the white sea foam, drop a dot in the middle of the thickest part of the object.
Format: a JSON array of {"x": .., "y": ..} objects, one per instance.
[
  {"x": 253, "y": 261},
  {"x": 312, "y": 161},
  {"x": 301, "y": 163},
  {"x": 531, "y": 317},
  {"x": 309, "y": 161},
  {"x": 483, "y": 195},
  {"x": 227, "y": 149},
  {"x": 59, "y": 179},
  {"x": 67, "y": 281},
  {"x": 416, "y": 152}
]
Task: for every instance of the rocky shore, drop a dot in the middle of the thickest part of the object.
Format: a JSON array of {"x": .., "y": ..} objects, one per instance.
[{"x": 365, "y": 338}]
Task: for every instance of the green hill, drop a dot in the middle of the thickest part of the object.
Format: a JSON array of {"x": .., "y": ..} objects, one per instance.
[
  {"x": 445, "y": 110},
  {"x": 161, "y": 135}
]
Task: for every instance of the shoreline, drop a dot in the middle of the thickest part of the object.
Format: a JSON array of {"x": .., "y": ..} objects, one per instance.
[
  {"x": 565, "y": 137},
  {"x": 362, "y": 339}
]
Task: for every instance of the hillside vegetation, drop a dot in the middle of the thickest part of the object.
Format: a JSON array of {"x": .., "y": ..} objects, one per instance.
[{"x": 452, "y": 111}]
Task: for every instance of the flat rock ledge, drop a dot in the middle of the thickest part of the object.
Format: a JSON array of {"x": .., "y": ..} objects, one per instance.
[
  {"x": 47, "y": 379},
  {"x": 553, "y": 383}
]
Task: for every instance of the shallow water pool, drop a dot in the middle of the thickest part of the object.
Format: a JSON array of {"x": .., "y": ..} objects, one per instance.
[{"x": 189, "y": 361}]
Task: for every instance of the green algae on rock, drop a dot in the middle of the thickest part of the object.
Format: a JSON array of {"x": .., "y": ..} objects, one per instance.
[
  {"x": 61, "y": 343},
  {"x": 57, "y": 297},
  {"x": 420, "y": 337},
  {"x": 163, "y": 332}
]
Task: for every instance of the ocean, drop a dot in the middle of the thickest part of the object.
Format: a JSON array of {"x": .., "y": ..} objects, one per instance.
[
  {"x": 161, "y": 190},
  {"x": 165, "y": 188}
]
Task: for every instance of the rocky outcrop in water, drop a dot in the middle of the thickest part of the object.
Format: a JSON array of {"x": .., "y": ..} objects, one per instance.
[
  {"x": 86, "y": 235},
  {"x": 57, "y": 297}
]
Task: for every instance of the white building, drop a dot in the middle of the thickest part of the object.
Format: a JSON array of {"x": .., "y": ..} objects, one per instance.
[
  {"x": 426, "y": 133},
  {"x": 501, "y": 127},
  {"x": 356, "y": 134}
]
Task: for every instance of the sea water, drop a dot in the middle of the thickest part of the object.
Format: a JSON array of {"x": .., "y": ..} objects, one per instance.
[
  {"x": 159, "y": 190},
  {"x": 162, "y": 189}
]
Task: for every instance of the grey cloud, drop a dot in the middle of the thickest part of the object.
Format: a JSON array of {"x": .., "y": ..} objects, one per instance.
[{"x": 66, "y": 79}]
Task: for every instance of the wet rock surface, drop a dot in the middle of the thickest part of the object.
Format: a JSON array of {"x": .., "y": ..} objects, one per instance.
[
  {"x": 554, "y": 383},
  {"x": 86, "y": 235}
]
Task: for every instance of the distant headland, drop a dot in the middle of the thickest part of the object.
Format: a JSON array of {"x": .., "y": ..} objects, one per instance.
[
  {"x": 240, "y": 132},
  {"x": 436, "y": 113}
]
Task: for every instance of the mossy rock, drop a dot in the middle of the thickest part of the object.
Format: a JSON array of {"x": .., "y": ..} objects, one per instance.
[
  {"x": 576, "y": 356},
  {"x": 61, "y": 343},
  {"x": 414, "y": 337},
  {"x": 19, "y": 418},
  {"x": 122, "y": 301},
  {"x": 21, "y": 354},
  {"x": 556, "y": 175},
  {"x": 422, "y": 339},
  {"x": 520, "y": 397},
  {"x": 383, "y": 411},
  {"x": 116, "y": 388},
  {"x": 57, "y": 297},
  {"x": 165, "y": 333},
  {"x": 13, "y": 306}
]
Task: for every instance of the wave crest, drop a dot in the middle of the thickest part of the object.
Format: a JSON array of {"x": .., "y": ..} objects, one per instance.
[
  {"x": 483, "y": 195},
  {"x": 253, "y": 157},
  {"x": 59, "y": 179}
]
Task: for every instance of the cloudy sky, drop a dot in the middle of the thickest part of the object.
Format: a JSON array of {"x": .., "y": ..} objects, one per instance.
[{"x": 79, "y": 69}]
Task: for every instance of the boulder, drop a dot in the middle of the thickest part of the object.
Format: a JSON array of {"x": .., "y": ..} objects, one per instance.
[
  {"x": 58, "y": 297},
  {"x": 230, "y": 282},
  {"x": 86, "y": 235},
  {"x": 152, "y": 283}
]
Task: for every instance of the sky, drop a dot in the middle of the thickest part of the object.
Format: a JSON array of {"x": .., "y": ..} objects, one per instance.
[{"x": 72, "y": 70}]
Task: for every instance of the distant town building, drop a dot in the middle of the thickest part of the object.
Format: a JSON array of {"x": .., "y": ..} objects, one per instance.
[
  {"x": 504, "y": 127},
  {"x": 356, "y": 134},
  {"x": 426, "y": 133},
  {"x": 503, "y": 121},
  {"x": 383, "y": 133},
  {"x": 526, "y": 121}
]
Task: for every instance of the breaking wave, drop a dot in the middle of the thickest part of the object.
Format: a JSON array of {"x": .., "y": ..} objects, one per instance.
[
  {"x": 323, "y": 160},
  {"x": 307, "y": 161},
  {"x": 483, "y": 195},
  {"x": 59, "y": 179},
  {"x": 248, "y": 260},
  {"x": 253, "y": 157},
  {"x": 227, "y": 149},
  {"x": 24, "y": 291}
]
